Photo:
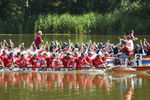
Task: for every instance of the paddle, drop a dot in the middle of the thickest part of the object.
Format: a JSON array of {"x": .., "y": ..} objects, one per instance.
[
  {"x": 24, "y": 66},
  {"x": 42, "y": 68},
  {"x": 59, "y": 68},
  {"x": 1, "y": 68},
  {"x": 12, "y": 66},
  {"x": 87, "y": 49},
  {"x": 109, "y": 62}
]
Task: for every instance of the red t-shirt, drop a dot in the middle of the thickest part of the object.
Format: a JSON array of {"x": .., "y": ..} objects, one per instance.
[
  {"x": 49, "y": 61},
  {"x": 80, "y": 62},
  {"x": 96, "y": 62},
  {"x": 3, "y": 56},
  {"x": 34, "y": 61},
  {"x": 88, "y": 59},
  {"x": 17, "y": 57},
  {"x": 21, "y": 62},
  {"x": 67, "y": 61},
  {"x": 56, "y": 64},
  {"x": 28, "y": 58},
  {"x": 8, "y": 62},
  {"x": 38, "y": 40}
]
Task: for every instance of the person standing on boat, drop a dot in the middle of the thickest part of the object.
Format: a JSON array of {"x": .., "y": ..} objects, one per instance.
[
  {"x": 132, "y": 35},
  {"x": 38, "y": 39},
  {"x": 129, "y": 48},
  {"x": 129, "y": 45}
]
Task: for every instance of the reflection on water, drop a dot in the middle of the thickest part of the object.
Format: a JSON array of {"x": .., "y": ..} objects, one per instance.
[
  {"x": 118, "y": 86},
  {"x": 55, "y": 81}
]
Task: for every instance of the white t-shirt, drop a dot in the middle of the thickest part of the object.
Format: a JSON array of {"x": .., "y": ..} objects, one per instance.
[{"x": 130, "y": 45}]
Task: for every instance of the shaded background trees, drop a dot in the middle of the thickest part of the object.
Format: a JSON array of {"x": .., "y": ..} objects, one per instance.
[{"x": 24, "y": 16}]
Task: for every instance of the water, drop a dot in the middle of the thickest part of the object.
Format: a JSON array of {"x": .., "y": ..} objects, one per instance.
[
  {"x": 72, "y": 85},
  {"x": 28, "y": 38}
]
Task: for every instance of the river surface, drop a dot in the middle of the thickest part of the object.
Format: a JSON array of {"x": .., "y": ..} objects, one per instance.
[
  {"x": 28, "y": 38},
  {"x": 72, "y": 85}
]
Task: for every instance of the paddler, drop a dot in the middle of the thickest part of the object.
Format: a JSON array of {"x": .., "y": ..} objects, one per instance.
[
  {"x": 53, "y": 61},
  {"x": 17, "y": 57},
  {"x": 49, "y": 60},
  {"x": 42, "y": 59},
  {"x": 67, "y": 61},
  {"x": 147, "y": 46},
  {"x": 22, "y": 62},
  {"x": 9, "y": 61},
  {"x": 3, "y": 55},
  {"x": 88, "y": 58},
  {"x": 98, "y": 62},
  {"x": 127, "y": 49},
  {"x": 81, "y": 62},
  {"x": 34, "y": 61}
]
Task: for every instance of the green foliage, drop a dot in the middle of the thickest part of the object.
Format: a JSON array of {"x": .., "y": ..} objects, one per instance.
[
  {"x": 66, "y": 23},
  {"x": 110, "y": 23},
  {"x": 74, "y": 16}
]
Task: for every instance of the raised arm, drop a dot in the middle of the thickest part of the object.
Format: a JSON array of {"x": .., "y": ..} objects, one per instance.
[
  {"x": 31, "y": 46},
  {"x": 11, "y": 43}
]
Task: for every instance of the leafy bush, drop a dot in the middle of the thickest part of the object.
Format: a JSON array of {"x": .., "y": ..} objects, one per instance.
[{"x": 111, "y": 23}]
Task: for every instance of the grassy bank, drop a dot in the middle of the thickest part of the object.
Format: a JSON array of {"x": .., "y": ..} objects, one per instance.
[
  {"x": 111, "y": 23},
  {"x": 91, "y": 23}
]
